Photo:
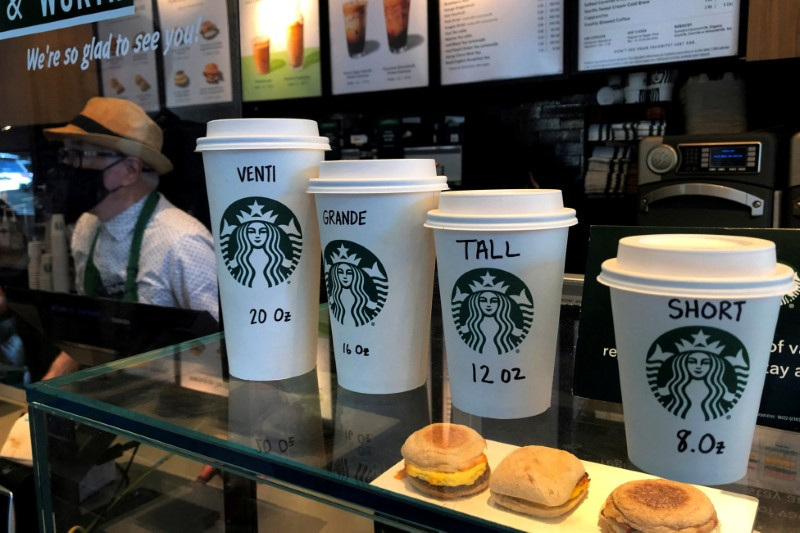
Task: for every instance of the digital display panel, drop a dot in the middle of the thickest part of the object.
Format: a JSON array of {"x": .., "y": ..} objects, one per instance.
[{"x": 727, "y": 156}]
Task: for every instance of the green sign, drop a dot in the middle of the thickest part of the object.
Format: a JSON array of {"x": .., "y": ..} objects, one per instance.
[
  {"x": 596, "y": 372},
  {"x": 25, "y": 17}
]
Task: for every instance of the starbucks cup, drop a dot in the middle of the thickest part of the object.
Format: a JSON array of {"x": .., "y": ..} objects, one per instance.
[
  {"x": 500, "y": 260},
  {"x": 694, "y": 320},
  {"x": 378, "y": 261},
  {"x": 267, "y": 246}
]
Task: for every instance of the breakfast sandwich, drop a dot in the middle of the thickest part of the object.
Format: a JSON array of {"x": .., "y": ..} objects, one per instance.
[
  {"x": 208, "y": 30},
  {"x": 141, "y": 82},
  {"x": 116, "y": 86},
  {"x": 539, "y": 481},
  {"x": 657, "y": 505},
  {"x": 181, "y": 79},
  {"x": 446, "y": 461},
  {"x": 212, "y": 73}
]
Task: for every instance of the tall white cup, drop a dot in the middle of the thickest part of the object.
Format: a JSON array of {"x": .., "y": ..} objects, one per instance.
[
  {"x": 266, "y": 240},
  {"x": 694, "y": 320},
  {"x": 500, "y": 260},
  {"x": 379, "y": 266}
]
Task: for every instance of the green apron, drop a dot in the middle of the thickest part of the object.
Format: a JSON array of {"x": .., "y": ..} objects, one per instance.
[{"x": 92, "y": 282}]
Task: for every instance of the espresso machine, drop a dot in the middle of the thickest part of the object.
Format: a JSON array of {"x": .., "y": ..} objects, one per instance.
[
  {"x": 791, "y": 200},
  {"x": 712, "y": 180}
]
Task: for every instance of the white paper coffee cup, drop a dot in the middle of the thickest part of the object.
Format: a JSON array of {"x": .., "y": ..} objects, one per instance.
[
  {"x": 501, "y": 265},
  {"x": 266, "y": 240},
  {"x": 378, "y": 261},
  {"x": 694, "y": 320}
]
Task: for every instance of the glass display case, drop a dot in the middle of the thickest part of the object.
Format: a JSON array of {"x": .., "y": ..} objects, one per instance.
[{"x": 309, "y": 437}]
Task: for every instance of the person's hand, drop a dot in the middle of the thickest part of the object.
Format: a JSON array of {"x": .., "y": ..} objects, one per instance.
[{"x": 62, "y": 364}]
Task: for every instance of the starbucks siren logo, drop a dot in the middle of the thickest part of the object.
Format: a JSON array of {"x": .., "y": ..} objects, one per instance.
[
  {"x": 492, "y": 310},
  {"x": 356, "y": 282},
  {"x": 260, "y": 241},
  {"x": 789, "y": 298},
  {"x": 697, "y": 368}
]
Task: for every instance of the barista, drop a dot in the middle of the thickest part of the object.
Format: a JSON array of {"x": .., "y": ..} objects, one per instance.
[{"x": 131, "y": 243}]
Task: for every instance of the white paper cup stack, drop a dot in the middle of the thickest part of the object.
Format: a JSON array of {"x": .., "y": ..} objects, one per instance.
[
  {"x": 501, "y": 266},
  {"x": 46, "y": 272},
  {"x": 694, "y": 320},
  {"x": 60, "y": 250},
  {"x": 266, "y": 241},
  {"x": 35, "y": 249},
  {"x": 379, "y": 261}
]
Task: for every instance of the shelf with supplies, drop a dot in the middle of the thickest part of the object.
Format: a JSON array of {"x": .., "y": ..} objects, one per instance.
[
  {"x": 313, "y": 439},
  {"x": 612, "y": 135}
]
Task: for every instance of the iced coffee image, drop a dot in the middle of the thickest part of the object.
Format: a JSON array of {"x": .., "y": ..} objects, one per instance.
[
  {"x": 355, "y": 26},
  {"x": 396, "y": 14},
  {"x": 294, "y": 42},
  {"x": 261, "y": 54}
]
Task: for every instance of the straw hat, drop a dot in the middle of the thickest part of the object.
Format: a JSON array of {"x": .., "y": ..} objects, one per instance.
[{"x": 120, "y": 125}]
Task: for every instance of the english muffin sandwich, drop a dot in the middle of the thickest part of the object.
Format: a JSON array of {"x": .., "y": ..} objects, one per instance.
[
  {"x": 446, "y": 461},
  {"x": 208, "y": 30},
  {"x": 657, "y": 506},
  {"x": 212, "y": 73},
  {"x": 539, "y": 481},
  {"x": 181, "y": 79}
]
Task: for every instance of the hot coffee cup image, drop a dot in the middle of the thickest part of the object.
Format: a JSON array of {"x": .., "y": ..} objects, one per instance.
[
  {"x": 694, "y": 321},
  {"x": 396, "y": 14},
  {"x": 355, "y": 26}
]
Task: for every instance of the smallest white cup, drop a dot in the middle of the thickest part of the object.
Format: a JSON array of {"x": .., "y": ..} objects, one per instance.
[{"x": 694, "y": 320}]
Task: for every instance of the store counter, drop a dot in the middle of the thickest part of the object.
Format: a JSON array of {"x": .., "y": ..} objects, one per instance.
[{"x": 308, "y": 436}]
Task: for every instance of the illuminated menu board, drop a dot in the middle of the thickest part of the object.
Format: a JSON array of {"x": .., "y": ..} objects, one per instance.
[
  {"x": 133, "y": 75},
  {"x": 378, "y": 45},
  {"x": 622, "y": 33},
  {"x": 485, "y": 40},
  {"x": 194, "y": 41},
  {"x": 279, "y": 43}
]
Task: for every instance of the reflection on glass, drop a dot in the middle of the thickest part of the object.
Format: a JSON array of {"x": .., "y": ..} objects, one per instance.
[
  {"x": 371, "y": 428},
  {"x": 278, "y": 417}
]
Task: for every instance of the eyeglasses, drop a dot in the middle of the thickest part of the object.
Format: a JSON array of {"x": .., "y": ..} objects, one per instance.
[{"x": 75, "y": 158}]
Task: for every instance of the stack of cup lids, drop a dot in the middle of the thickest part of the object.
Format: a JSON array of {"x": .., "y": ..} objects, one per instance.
[
  {"x": 522, "y": 209},
  {"x": 377, "y": 176},
  {"x": 262, "y": 134}
]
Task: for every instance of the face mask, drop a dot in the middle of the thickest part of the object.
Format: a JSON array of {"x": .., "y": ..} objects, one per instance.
[{"x": 85, "y": 188}]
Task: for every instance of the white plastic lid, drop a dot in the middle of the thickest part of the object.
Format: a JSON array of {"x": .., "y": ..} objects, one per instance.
[
  {"x": 261, "y": 134},
  {"x": 697, "y": 265},
  {"x": 501, "y": 210},
  {"x": 371, "y": 176}
]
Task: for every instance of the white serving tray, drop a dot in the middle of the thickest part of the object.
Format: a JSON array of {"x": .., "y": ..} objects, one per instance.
[{"x": 736, "y": 512}]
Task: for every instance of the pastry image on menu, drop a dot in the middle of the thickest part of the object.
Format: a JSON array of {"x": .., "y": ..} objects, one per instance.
[
  {"x": 141, "y": 83},
  {"x": 116, "y": 86},
  {"x": 208, "y": 30},
  {"x": 181, "y": 79}
]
